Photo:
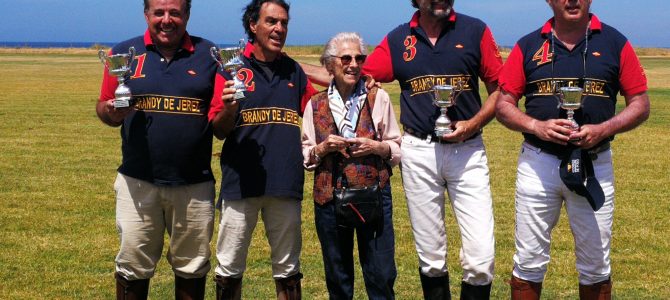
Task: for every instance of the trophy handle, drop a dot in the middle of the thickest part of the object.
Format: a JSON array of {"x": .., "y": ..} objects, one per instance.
[
  {"x": 131, "y": 51},
  {"x": 103, "y": 56},
  {"x": 241, "y": 45},
  {"x": 214, "y": 52},
  {"x": 458, "y": 89}
]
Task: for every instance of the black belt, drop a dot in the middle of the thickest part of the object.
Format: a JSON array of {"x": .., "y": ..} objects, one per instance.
[
  {"x": 593, "y": 152},
  {"x": 433, "y": 138}
]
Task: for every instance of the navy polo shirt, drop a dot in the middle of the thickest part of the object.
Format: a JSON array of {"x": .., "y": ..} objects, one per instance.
[
  {"x": 262, "y": 156},
  {"x": 167, "y": 138},
  {"x": 603, "y": 66},
  {"x": 465, "y": 50}
]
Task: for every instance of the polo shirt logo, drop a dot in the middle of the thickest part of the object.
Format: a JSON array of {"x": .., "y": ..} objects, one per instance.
[
  {"x": 269, "y": 115},
  {"x": 169, "y": 104},
  {"x": 410, "y": 48},
  {"x": 424, "y": 84},
  {"x": 596, "y": 54},
  {"x": 543, "y": 55},
  {"x": 459, "y": 46},
  {"x": 191, "y": 72}
]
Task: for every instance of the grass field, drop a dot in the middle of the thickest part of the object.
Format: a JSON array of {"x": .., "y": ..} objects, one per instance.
[{"x": 57, "y": 165}]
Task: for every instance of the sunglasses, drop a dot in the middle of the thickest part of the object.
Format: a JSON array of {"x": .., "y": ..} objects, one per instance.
[{"x": 346, "y": 59}]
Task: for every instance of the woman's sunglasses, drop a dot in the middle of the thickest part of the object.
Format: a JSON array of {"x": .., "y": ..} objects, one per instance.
[{"x": 346, "y": 59}]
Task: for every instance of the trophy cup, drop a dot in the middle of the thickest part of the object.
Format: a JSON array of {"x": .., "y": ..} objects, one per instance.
[
  {"x": 229, "y": 61},
  {"x": 570, "y": 98},
  {"x": 445, "y": 97},
  {"x": 119, "y": 65}
]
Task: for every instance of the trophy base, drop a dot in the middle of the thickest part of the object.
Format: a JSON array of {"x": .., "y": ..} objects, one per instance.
[
  {"x": 239, "y": 95},
  {"x": 442, "y": 131},
  {"x": 121, "y": 103}
]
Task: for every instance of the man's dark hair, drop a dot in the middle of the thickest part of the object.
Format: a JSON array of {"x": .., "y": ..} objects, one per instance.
[
  {"x": 414, "y": 4},
  {"x": 253, "y": 11},
  {"x": 186, "y": 2}
]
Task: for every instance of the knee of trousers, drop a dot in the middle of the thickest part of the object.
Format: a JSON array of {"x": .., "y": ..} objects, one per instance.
[
  {"x": 479, "y": 272},
  {"x": 134, "y": 271},
  {"x": 534, "y": 274}
]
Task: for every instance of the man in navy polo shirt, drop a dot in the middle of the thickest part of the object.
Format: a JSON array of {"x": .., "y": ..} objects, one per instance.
[
  {"x": 261, "y": 159},
  {"x": 165, "y": 181},
  {"x": 572, "y": 49},
  {"x": 439, "y": 46}
]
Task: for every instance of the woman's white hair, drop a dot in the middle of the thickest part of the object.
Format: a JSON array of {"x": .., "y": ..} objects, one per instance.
[{"x": 331, "y": 48}]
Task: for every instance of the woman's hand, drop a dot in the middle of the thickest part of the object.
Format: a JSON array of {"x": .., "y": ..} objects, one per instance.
[
  {"x": 363, "y": 146},
  {"x": 334, "y": 143}
]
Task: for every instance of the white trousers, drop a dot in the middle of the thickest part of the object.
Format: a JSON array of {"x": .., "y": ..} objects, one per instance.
[
  {"x": 427, "y": 169},
  {"x": 144, "y": 212},
  {"x": 281, "y": 217},
  {"x": 540, "y": 194}
]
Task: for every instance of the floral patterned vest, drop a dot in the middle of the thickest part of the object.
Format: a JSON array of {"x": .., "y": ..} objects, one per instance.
[{"x": 358, "y": 171}]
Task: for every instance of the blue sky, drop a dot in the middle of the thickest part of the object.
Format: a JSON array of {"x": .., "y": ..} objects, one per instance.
[{"x": 646, "y": 23}]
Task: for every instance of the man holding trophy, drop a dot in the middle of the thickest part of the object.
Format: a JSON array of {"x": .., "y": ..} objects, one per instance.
[
  {"x": 573, "y": 65},
  {"x": 261, "y": 159},
  {"x": 165, "y": 179}
]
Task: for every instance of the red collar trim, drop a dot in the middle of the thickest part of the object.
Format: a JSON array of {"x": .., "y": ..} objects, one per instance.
[
  {"x": 248, "y": 49},
  {"x": 596, "y": 25},
  {"x": 186, "y": 44},
  {"x": 415, "y": 18}
]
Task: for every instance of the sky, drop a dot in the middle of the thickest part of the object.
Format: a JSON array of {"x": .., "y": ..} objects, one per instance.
[{"x": 646, "y": 23}]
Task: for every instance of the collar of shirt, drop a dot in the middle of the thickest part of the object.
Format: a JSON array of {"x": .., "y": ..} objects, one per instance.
[
  {"x": 415, "y": 18},
  {"x": 186, "y": 42},
  {"x": 595, "y": 25}
]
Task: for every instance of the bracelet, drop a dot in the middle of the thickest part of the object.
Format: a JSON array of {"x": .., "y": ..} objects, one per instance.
[{"x": 316, "y": 157}]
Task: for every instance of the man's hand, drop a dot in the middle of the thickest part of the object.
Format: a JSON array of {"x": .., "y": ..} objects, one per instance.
[
  {"x": 228, "y": 95},
  {"x": 463, "y": 131},
  {"x": 370, "y": 82},
  {"x": 589, "y": 135},
  {"x": 111, "y": 115},
  {"x": 555, "y": 130}
]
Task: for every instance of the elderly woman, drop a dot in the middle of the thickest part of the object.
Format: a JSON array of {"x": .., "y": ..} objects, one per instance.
[{"x": 351, "y": 138}]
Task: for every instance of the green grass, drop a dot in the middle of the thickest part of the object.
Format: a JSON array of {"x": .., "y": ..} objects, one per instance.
[{"x": 57, "y": 165}]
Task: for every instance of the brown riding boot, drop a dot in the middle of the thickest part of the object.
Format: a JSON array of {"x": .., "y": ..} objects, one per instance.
[
  {"x": 131, "y": 289},
  {"x": 189, "y": 289},
  {"x": 228, "y": 288},
  {"x": 289, "y": 288},
  {"x": 525, "y": 290},
  {"x": 597, "y": 291}
]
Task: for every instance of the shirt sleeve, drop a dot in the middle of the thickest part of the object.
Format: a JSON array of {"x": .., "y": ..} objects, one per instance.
[
  {"x": 491, "y": 63},
  {"x": 216, "y": 105},
  {"x": 631, "y": 74},
  {"x": 109, "y": 84},
  {"x": 379, "y": 64},
  {"x": 308, "y": 136},
  {"x": 512, "y": 76},
  {"x": 384, "y": 118},
  {"x": 306, "y": 95}
]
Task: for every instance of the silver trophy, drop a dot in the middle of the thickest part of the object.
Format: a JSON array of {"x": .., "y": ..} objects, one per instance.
[
  {"x": 570, "y": 99},
  {"x": 445, "y": 97},
  {"x": 119, "y": 66},
  {"x": 229, "y": 60}
]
